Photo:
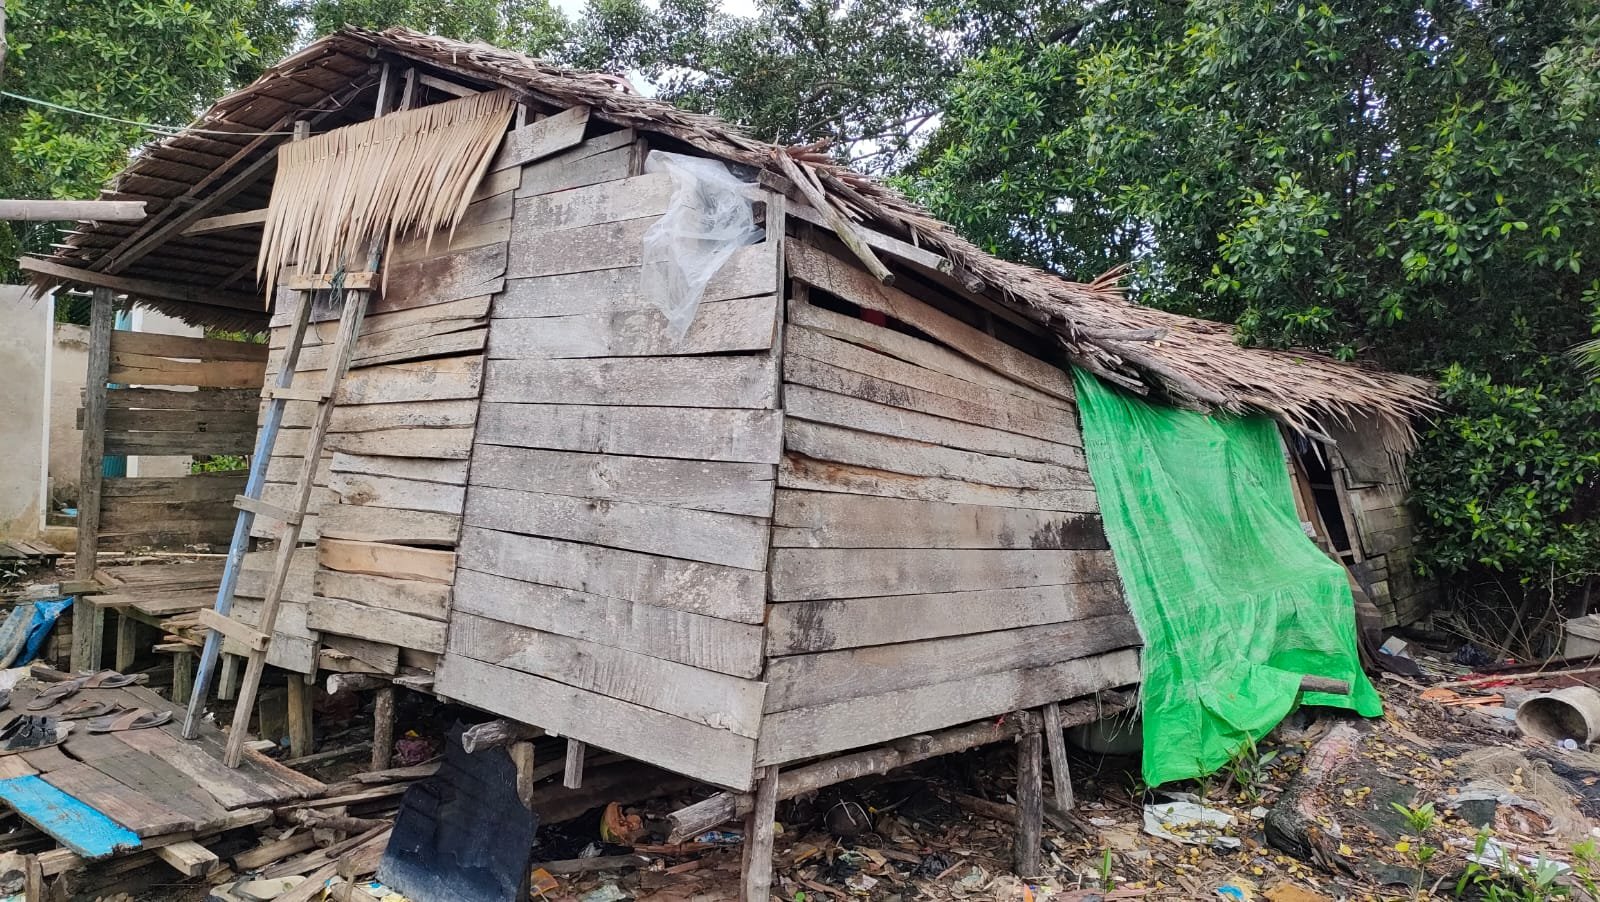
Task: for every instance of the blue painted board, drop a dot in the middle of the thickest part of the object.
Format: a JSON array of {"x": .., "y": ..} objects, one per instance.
[{"x": 72, "y": 823}]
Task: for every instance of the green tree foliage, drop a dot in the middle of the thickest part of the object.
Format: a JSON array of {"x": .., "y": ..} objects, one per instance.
[
  {"x": 149, "y": 60},
  {"x": 866, "y": 75},
  {"x": 531, "y": 26},
  {"x": 1413, "y": 183}
]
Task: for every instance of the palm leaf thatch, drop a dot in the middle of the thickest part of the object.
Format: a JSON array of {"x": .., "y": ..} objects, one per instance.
[{"x": 341, "y": 195}]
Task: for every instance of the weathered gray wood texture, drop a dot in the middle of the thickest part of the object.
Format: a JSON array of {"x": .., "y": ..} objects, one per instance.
[
  {"x": 618, "y": 514},
  {"x": 937, "y": 551}
]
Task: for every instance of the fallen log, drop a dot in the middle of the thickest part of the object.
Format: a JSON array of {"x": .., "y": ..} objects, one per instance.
[{"x": 1293, "y": 825}]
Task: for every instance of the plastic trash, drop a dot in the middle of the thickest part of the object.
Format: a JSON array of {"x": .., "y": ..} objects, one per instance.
[
  {"x": 709, "y": 217},
  {"x": 1190, "y": 824}
]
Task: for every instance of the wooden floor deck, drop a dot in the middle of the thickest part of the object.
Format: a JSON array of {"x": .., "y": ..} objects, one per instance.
[
  {"x": 153, "y": 782},
  {"x": 151, "y": 593}
]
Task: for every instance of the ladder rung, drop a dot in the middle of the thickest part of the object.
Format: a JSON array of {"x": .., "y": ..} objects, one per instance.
[
  {"x": 315, "y": 395},
  {"x": 249, "y": 637},
  {"x": 263, "y": 509}
]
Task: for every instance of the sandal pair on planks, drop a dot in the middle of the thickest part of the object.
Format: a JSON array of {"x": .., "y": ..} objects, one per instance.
[{"x": 27, "y": 732}]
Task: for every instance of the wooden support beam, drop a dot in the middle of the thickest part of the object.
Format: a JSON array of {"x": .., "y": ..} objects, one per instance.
[
  {"x": 227, "y": 221},
  {"x": 127, "y": 642},
  {"x": 758, "y": 836},
  {"x": 74, "y": 210},
  {"x": 88, "y": 619},
  {"x": 182, "y": 677},
  {"x": 1030, "y": 801},
  {"x": 189, "y": 858},
  {"x": 382, "y": 728},
  {"x": 522, "y": 756},
  {"x": 145, "y": 288},
  {"x": 492, "y": 733},
  {"x": 572, "y": 777},
  {"x": 1056, "y": 742},
  {"x": 448, "y": 87},
  {"x": 301, "y": 738}
]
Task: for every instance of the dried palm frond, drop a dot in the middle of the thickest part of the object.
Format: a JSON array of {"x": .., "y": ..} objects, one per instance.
[{"x": 340, "y": 195}]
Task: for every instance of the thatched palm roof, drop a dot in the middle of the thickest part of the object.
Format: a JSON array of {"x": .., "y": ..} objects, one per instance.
[{"x": 1187, "y": 361}]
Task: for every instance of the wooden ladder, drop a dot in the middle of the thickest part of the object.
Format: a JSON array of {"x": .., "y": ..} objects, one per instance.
[{"x": 218, "y": 621}]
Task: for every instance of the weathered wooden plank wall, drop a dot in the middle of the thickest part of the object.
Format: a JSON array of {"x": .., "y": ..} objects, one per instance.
[
  {"x": 1372, "y": 487},
  {"x": 938, "y": 555},
  {"x": 611, "y": 584},
  {"x": 195, "y": 397}
]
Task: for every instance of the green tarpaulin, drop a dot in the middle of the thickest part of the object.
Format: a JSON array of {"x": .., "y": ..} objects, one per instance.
[{"x": 1234, "y": 602}]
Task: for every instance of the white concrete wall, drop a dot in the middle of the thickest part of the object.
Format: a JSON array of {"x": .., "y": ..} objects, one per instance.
[
  {"x": 25, "y": 342},
  {"x": 69, "y": 365}
]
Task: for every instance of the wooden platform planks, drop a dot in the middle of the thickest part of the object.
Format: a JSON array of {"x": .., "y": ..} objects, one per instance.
[{"x": 80, "y": 827}]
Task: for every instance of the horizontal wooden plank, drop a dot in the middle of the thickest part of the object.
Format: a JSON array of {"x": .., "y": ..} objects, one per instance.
[
  {"x": 185, "y": 347},
  {"x": 294, "y": 645},
  {"x": 257, "y": 569},
  {"x": 713, "y": 538},
  {"x": 465, "y": 237},
  {"x": 828, "y": 476},
  {"x": 122, "y": 514},
  {"x": 388, "y": 525},
  {"x": 447, "y": 338},
  {"x": 367, "y": 417},
  {"x": 286, "y": 469},
  {"x": 801, "y": 627},
  {"x": 180, "y": 421},
  {"x": 913, "y": 458},
  {"x": 709, "y": 643},
  {"x": 800, "y": 574},
  {"x": 751, "y": 271},
  {"x": 715, "y": 590},
  {"x": 814, "y": 359},
  {"x": 836, "y": 520},
  {"x": 703, "y": 696},
  {"x": 216, "y": 486},
  {"x": 426, "y": 380},
  {"x": 167, "y": 538},
  {"x": 375, "y": 624},
  {"x": 701, "y": 434},
  {"x": 449, "y": 472},
  {"x": 208, "y": 399},
  {"x": 814, "y": 266},
  {"x": 913, "y": 350},
  {"x": 806, "y": 403},
  {"x": 379, "y": 559},
  {"x": 803, "y": 681},
  {"x": 405, "y": 596},
  {"x": 605, "y": 246},
  {"x": 143, "y": 369},
  {"x": 727, "y": 487},
  {"x": 679, "y": 745},
  {"x": 575, "y": 168},
  {"x": 406, "y": 494},
  {"x": 405, "y": 441},
  {"x": 739, "y": 381},
  {"x": 438, "y": 280},
  {"x": 180, "y": 443},
  {"x": 858, "y": 722},
  {"x": 540, "y": 139},
  {"x": 609, "y": 201},
  {"x": 719, "y": 327},
  {"x": 465, "y": 311}
]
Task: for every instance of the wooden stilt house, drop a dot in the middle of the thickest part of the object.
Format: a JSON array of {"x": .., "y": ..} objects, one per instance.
[{"x": 849, "y": 506}]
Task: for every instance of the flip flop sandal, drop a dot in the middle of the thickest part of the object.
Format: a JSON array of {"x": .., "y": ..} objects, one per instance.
[
  {"x": 87, "y": 708},
  {"x": 56, "y": 693},
  {"x": 31, "y": 732},
  {"x": 46, "y": 673},
  {"x": 108, "y": 679},
  {"x": 136, "y": 719}
]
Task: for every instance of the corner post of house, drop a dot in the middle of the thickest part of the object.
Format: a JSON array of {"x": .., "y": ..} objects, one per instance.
[
  {"x": 1030, "y": 796},
  {"x": 1056, "y": 744},
  {"x": 758, "y": 837},
  {"x": 88, "y": 619}
]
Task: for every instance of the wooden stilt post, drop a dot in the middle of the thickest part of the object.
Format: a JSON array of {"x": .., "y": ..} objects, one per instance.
[
  {"x": 301, "y": 740},
  {"x": 758, "y": 834},
  {"x": 182, "y": 677},
  {"x": 1056, "y": 743},
  {"x": 521, "y": 753},
  {"x": 383, "y": 728},
  {"x": 572, "y": 778},
  {"x": 1030, "y": 801},
  {"x": 228, "y": 678},
  {"x": 89, "y": 620},
  {"x": 127, "y": 641}
]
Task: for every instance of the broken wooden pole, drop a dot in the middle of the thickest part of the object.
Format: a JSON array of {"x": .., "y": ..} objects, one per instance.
[
  {"x": 522, "y": 756},
  {"x": 492, "y": 733},
  {"x": 1030, "y": 801},
  {"x": 758, "y": 835},
  {"x": 1056, "y": 743},
  {"x": 1326, "y": 685}
]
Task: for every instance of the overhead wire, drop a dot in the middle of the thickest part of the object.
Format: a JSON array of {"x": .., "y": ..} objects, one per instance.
[{"x": 167, "y": 130}]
